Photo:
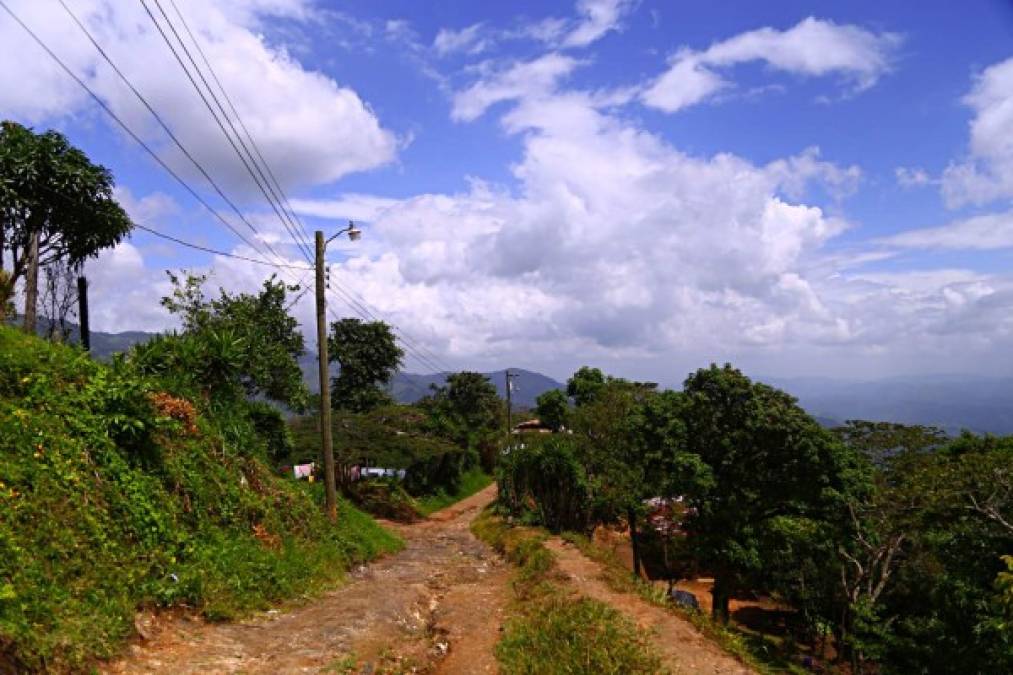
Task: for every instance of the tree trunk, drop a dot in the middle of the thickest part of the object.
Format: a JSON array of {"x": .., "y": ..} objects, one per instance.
[
  {"x": 634, "y": 540},
  {"x": 720, "y": 595},
  {"x": 32, "y": 284}
]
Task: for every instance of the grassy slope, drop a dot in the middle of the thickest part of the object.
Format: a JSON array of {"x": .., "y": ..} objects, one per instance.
[
  {"x": 471, "y": 482},
  {"x": 105, "y": 506},
  {"x": 550, "y": 630}
]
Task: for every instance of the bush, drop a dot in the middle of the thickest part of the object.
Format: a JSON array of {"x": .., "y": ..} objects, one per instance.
[{"x": 544, "y": 483}]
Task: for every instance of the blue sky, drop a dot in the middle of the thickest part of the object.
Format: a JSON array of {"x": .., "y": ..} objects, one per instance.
[{"x": 801, "y": 188}]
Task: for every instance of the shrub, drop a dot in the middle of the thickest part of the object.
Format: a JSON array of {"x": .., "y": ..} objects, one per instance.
[{"x": 543, "y": 482}]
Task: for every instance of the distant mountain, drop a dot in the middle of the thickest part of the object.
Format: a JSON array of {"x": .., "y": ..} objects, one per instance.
[
  {"x": 528, "y": 385},
  {"x": 952, "y": 402}
]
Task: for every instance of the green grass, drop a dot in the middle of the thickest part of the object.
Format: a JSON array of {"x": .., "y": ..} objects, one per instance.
[
  {"x": 107, "y": 507},
  {"x": 471, "y": 482},
  {"x": 753, "y": 650},
  {"x": 551, "y": 630}
]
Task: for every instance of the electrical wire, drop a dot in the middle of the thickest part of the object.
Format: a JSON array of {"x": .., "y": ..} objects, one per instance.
[
  {"x": 165, "y": 37},
  {"x": 256, "y": 147},
  {"x": 161, "y": 121},
  {"x": 130, "y": 132},
  {"x": 205, "y": 249}
]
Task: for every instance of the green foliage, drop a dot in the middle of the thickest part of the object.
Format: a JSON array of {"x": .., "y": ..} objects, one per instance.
[
  {"x": 544, "y": 482},
  {"x": 553, "y": 409},
  {"x": 248, "y": 343},
  {"x": 272, "y": 428},
  {"x": 368, "y": 355},
  {"x": 773, "y": 474},
  {"x": 584, "y": 385},
  {"x": 116, "y": 491},
  {"x": 467, "y": 411},
  {"x": 52, "y": 189},
  {"x": 391, "y": 437}
]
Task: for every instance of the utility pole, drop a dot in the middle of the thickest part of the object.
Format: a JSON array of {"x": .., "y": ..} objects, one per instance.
[
  {"x": 327, "y": 447},
  {"x": 509, "y": 401},
  {"x": 32, "y": 284},
  {"x": 82, "y": 312}
]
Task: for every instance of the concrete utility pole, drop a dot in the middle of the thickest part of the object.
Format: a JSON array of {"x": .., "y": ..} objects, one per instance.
[
  {"x": 82, "y": 313},
  {"x": 326, "y": 440},
  {"x": 32, "y": 284},
  {"x": 509, "y": 401},
  {"x": 327, "y": 447}
]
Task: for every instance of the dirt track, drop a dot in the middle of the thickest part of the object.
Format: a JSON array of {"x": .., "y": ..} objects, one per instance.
[{"x": 436, "y": 604}]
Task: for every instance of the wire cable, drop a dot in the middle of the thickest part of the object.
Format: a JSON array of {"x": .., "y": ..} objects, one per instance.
[
  {"x": 205, "y": 249},
  {"x": 165, "y": 37},
  {"x": 161, "y": 121},
  {"x": 130, "y": 132},
  {"x": 256, "y": 147}
]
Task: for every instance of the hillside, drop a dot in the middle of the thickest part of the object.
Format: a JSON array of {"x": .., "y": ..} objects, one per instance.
[{"x": 119, "y": 491}]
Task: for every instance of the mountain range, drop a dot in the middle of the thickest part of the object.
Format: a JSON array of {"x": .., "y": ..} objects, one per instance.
[{"x": 952, "y": 402}]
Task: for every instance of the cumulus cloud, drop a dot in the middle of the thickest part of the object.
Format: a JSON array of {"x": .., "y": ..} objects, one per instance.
[
  {"x": 987, "y": 173},
  {"x": 813, "y": 47},
  {"x": 310, "y": 128}
]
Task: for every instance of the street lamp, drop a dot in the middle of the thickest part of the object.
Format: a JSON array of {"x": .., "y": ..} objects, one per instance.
[
  {"x": 327, "y": 443},
  {"x": 354, "y": 233}
]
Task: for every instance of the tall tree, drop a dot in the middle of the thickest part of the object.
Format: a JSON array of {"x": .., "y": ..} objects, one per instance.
[
  {"x": 368, "y": 355},
  {"x": 771, "y": 470},
  {"x": 55, "y": 205},
  {"x": 467, "y": 408},
  {"x": 552, "y": 408}
]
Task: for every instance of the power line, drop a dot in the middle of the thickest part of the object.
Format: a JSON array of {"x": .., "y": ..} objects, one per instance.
[
  {"x": 302, "y": 246},
  {"x": 228, "y": 99},
  {"x": 127, "y": 129},
  {"x": 162, "y": 123},
  {"x": 217, "y": 252}
]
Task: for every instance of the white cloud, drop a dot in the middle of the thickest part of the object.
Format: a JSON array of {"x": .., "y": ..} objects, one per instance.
[
  {"x": 987, "y": 173},
  {"x": 449, "y": 41},
  {"x": 813, "y": 47},
  {"x": 310, "y": 128},
  {"x": 347, "y": 206},
  {"x": 598, "y": 17},
  {"x": 521, "y": 80},
  {"x": 985, "y": 232}
]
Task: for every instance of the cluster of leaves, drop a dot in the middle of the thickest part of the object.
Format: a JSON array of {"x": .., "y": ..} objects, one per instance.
[
  {"x": 467, "y": 411},
  {"x": 51, "y": 189},
  {"x": 368, "y": 356},
  {"x": 123, "y": 485},
  {"x": 888, "y": 537}
]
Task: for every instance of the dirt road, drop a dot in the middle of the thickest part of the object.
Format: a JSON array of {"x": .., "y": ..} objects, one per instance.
[
  {"x": 682, "y": 648},
  {"x": 436, "y": 604}
]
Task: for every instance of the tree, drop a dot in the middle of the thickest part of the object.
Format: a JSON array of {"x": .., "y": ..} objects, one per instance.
[
  {"x": 772, "y": 476},
  {"x": 584, "y": 385},
  {"x": 467, "y": 409},
  {"x": 55, "y": 205},
  {"x": 552, "y": 409},
  {"x": 368, "y": 355},
  {"x": 253, "y": 341}
]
